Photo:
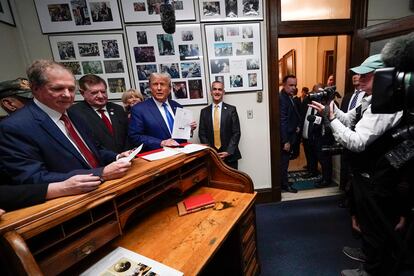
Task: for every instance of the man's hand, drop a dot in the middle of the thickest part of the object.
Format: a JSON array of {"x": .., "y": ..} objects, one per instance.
[
  {"x": 193, "y": 125},
  {"x": 77, "y": 184},
  {"x": 115, "y": 170},
  {"x": 320, "y": 108},
  {"x": 223, "y": 154},
  {"x": 169, "y": 143},
  {"x": 355, "y": 224},
  {"x": 124, "y": 154},
  {"x": 2, "y": 212},
  {"x": 286, "y": 147},
  {"x": 400, "y": 225}
]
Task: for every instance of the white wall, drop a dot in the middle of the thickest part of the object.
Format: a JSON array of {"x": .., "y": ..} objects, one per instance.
[
  {"x": 26, "y": 43},
  {"x": 380, "y": 11}
]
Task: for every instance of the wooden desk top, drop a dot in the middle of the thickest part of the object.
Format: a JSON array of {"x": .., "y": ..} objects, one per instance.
[{"x": 186, "y": 243}]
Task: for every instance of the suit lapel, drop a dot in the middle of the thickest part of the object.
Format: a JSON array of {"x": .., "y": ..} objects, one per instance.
[{"x": 51, "y": 128}]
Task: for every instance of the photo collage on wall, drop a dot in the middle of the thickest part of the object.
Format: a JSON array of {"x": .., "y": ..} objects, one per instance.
[
  {"x": 230, "y": 10},
  {"x": 179, "y": 54},
  {"x": 103, "y": 55},
  {"x": 149, "y": 10},
  {"x": 234, "y": 56},
  {"x": 57, "y": 16}
]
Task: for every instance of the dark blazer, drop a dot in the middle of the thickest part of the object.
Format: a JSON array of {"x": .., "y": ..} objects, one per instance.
[
  {"x": 345, "y": 101},
  {"x": 119, "y": 119},
  {"x": 289, "y": 119},
  {"x": 19, "y": 196},
  {"x": 229, "y": 130},
  {"x": 33, "y": 150},
  {"x": 147, "y": 125}
]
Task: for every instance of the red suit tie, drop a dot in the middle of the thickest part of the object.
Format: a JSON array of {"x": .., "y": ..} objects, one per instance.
[
  {"x": 106, "y": 121},
  {"x": 87, "y": 154}
]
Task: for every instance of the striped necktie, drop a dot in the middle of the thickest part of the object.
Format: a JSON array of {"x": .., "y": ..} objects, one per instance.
[
  {"x": 354, "y": 100},
  {"x": 170, "y": 118}
]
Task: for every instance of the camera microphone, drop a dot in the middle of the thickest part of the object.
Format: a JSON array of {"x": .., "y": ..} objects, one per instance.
[
  {"x": 167, "y": 13},
  {"x": 399, "y": 53}
]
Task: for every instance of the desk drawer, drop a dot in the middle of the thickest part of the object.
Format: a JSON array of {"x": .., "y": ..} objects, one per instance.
[
  {"x": 192, "y": 179},
  {"x": 70, "y": 254}
]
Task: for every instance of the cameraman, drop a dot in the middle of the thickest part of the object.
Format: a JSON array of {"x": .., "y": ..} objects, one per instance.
[{"x": 368, "y": 137}]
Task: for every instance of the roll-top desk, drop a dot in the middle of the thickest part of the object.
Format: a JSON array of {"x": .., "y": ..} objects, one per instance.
[{"x": 138, "y": 212}]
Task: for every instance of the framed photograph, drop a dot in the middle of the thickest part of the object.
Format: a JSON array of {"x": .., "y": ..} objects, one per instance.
[
  {"x": 282, "y": 70},
  {"x": 58, "y": 16},
  {"x": 328, "y": 65},
  {"x": 6, "y": 14},
  {"x": 234, "y": 56},
  {"x": 230, "y": 10},
  {"x": 290, "y": 62},
  {"x": 149, "y": 10},
  {"x": 179, "y": 54},
  {"x": 102, "y": 55}
]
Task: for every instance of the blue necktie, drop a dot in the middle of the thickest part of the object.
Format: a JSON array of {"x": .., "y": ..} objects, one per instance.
[
  {"x": 354, "y": 100},
  {"x": 170, "y": 118}
]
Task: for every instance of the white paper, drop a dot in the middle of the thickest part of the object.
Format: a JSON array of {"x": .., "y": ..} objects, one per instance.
[
  {"x": 133, "y": 154},
  {"x": 182, "y": 120},
  {"x": 191, "y": 148},
  {"x": 166, "y": 152},
  {"x": 122, "y": 261}
]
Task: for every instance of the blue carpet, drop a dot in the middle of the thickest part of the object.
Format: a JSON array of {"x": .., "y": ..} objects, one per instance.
[{"x": 304, "y": 237}]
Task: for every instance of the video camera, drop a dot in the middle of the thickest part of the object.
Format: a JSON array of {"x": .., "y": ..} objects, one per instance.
[
  {"x": 393, "y": 91},
  {"x": 326, "y": 94}
]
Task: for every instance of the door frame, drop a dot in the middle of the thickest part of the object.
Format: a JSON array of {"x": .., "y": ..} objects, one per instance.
[{"x": 282, "y": 29}]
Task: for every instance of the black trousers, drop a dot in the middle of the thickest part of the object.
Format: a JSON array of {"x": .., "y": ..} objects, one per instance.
[{"x": 377, "y": 212}]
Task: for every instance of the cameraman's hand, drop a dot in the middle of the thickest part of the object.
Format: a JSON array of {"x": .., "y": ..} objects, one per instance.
[
  {"x": 320, "y": 108},
  {"x": 355, "y": 224}
]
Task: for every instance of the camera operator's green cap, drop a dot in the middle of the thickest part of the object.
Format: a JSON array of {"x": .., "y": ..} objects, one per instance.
[
  {"x": 18, "y": 87},
  {"x": 369, "y": 65}
]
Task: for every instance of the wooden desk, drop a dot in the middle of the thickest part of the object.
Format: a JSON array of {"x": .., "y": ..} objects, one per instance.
[{"x": 139, "y": 212}]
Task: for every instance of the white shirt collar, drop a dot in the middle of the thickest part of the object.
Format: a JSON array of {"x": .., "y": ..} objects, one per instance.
[{"x": 53, "y": 114}]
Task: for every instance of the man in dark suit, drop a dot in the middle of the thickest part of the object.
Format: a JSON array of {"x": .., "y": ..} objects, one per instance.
[
  {"x": 152, "y": 120},
  {"x": 289, "y": 128},
  {"x": 107, "y": 121},
  {"x": 42, "y": 142},
  {"x": 225, "y": 135}
]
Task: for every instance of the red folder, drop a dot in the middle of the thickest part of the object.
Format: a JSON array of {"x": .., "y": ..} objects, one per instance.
[{"x": 198, "y": 201}]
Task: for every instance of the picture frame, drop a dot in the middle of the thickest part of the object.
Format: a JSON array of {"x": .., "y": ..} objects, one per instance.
[
  {"x": 179, "y": 54},
  {"x": 60, "y": 16},
  {"x": 100, "y": 54},
  {"x": 136, "y": 11},
  {"x": 6, "y": 15},
  {"x": 282, "y": 70},
  {"x": 230, "y": 10},
  {"x": 234, "y": 56},
  {"x": 290, "y": 62},
  {"x": 328, "y": 64}
]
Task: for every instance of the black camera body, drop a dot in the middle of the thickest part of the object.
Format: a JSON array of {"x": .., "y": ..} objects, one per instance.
[
  {"x": 324, "y": 95},
  {"x": 393, "y": 91}
]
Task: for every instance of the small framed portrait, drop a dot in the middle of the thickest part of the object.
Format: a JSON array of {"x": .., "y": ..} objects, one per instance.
[{"x": 6, "y": 15}]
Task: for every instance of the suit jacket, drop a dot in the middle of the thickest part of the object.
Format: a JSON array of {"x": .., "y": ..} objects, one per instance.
[
  {"x": 34, "y": 150},
  {"x": 119, "y": 119},
  {"x": 289, "y": 119},
  {"x": 147, "y": 125},
  {"x": 345, "y": 101},
  {"x": 229, "y": 130},
  {"x": 19, "y": 196}
]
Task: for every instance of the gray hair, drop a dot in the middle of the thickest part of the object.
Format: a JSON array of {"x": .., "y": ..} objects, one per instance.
[
  {"x": 36, "y": 73},
  {"x": 160, "y": 75}
]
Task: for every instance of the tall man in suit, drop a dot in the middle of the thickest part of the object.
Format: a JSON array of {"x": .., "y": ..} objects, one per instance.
[
  {"x": 107, "y": 121},
  {"x": 289, "y": 128},
  {"x": 45, "y": 143},
  {"x": 220, "y": 127},
  {"x": 152, "y": 121}
]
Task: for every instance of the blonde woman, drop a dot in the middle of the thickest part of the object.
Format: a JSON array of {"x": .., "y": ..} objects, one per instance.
[{"x": 131, "y": 98}]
